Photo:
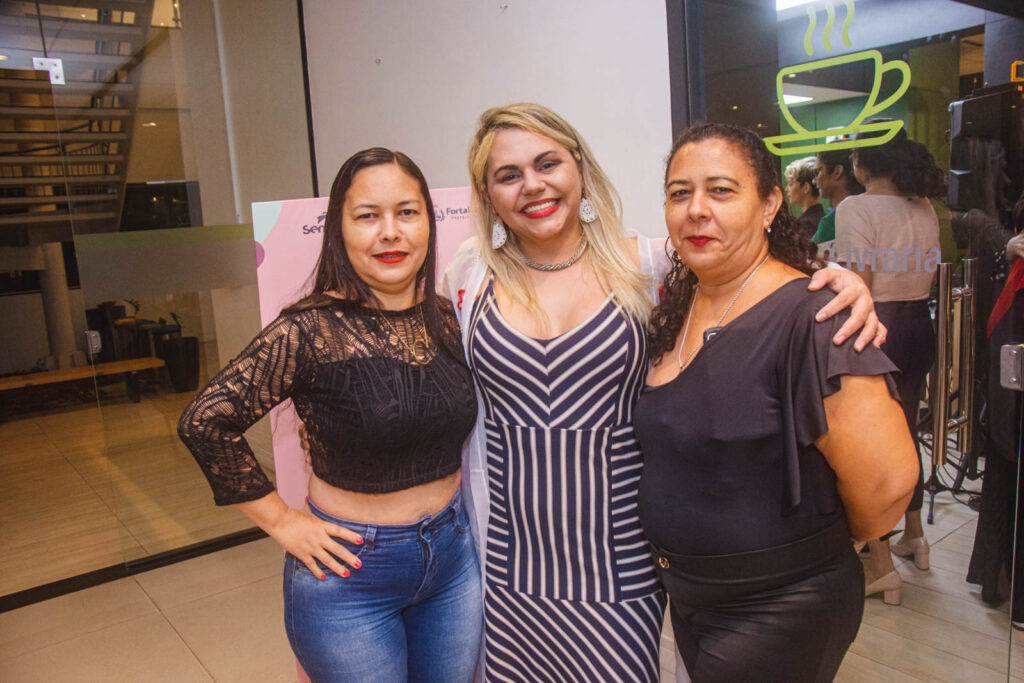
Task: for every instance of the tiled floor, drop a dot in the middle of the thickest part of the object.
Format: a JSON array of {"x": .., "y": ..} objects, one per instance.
[
  {"x": 212, "y": 618},
  {"x": 219, "y": 617},
  {"x": 103, "y": 485},
  {"x": 94, "y": 486}
]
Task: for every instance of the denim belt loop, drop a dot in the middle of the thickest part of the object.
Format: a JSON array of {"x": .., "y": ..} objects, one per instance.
[{"x": 369, "y": 535}]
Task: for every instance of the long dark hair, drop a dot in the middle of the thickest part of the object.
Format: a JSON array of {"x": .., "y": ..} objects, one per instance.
[
  {"x": 830, "y": 158},
  {"x": 334, "y": 270},
  {"x": 908, "y": 163},
  {"x": 787, "y": 241}
]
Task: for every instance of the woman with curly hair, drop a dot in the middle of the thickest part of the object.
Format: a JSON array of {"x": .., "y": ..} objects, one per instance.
[
  {"x": 890, "y": 236},
  {"x": 766, "y": 446}
]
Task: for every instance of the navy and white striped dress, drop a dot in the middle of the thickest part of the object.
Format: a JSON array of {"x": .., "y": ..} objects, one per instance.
[{"x": 571, "y": 592}]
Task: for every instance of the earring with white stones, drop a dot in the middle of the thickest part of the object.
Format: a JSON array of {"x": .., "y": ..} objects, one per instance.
[
  {"x": 587, "y": 214},
  {"x": 498, "y": 234}
]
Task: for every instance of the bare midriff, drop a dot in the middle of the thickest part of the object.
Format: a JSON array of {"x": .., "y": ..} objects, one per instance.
[{"x": 398, "y": 507}]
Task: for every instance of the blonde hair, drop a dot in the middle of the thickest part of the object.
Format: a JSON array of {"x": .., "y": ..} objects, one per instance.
[
  {"x": 610, "y": 250},
  {"x": 802, "y": 171}
]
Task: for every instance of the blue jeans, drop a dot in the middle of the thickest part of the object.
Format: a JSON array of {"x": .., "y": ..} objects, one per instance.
[{"x": 413, "y": 612}]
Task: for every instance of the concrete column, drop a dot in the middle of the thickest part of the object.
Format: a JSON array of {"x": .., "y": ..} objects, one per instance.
[{"x": 57, "y": 310}]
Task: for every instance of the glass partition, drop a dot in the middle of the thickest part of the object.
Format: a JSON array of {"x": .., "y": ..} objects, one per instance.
[{"x": 128, "y": 280}]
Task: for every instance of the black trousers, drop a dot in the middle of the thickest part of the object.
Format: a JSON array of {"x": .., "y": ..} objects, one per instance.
[
  {"x": 910, "y": 344},
  {"x": 793, "y": 625}
]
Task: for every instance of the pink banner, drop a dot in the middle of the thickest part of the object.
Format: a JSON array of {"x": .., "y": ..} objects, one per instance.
[{"x": 288, "y": 236}]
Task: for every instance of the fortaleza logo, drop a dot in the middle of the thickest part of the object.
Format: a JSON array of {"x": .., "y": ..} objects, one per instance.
[
  {"x": 459, "y": 213},
  {"x": 316, "y": 228},
  {"x": 893, "y": 260}
]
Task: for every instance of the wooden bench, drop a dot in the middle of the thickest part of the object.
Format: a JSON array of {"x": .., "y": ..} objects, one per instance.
[{"x": 118, "y": 367}]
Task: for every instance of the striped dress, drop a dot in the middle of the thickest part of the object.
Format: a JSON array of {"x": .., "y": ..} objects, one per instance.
[{"x": 571, "y": 592}]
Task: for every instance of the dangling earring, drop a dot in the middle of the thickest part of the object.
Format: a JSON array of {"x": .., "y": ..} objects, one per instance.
[
  {"x": 498, "y": 234},
  {"x": 587, "y": 214}
]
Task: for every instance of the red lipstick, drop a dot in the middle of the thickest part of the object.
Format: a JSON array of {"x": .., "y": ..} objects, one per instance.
[
  {"x": 698, "y": 240},
  {"x": 545, "y": 208},
  {"x": 391, "y": 256}
]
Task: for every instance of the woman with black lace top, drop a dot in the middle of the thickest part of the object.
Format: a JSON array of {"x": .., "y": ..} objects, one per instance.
[{"x": 381, "y": 578}]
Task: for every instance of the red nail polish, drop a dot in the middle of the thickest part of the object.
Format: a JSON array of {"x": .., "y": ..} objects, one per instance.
[
  {"x": 359, "y": 540},
  {"x": 344, "y": 573},
  {"x": 323, "y": 577},
  {"x": 357, "y": 564}
]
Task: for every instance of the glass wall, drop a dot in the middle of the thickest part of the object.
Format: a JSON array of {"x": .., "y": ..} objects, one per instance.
[
  {"x": 810, "y": 76},
  {"x": 128, "y": 274}
]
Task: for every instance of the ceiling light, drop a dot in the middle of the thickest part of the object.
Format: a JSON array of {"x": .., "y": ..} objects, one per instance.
[
  {"x": 786, "y": 4},
  {"x": 3, "y": 58},
  {"x": 151, "y": 124},
  {"x": 795, "y": 99}
]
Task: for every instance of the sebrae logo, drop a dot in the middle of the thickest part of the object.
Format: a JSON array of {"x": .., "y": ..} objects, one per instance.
[{"x": 316, "y": 228}]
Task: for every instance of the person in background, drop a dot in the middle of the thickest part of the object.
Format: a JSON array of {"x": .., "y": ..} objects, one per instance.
[
  {"x": 802, "y": 192},
  {"x": 890, "y": 236},
  {"x": 381, "y": 577},
  {"x": 984, "y": 223},
  {"x": 766, "y": 446},
  {"x": 835, "y": 181},
  {"x": 1000, "y": 535}
]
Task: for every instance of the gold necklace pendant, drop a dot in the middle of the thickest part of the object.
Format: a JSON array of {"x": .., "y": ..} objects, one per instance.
[{"x": 419, "y": 351}]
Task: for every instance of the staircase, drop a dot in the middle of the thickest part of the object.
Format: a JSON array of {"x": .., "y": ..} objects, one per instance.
[{"x": 64, "y": 148}]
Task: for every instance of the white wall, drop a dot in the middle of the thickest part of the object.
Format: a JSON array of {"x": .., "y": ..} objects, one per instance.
[
  {"x": 24, "y": 341},
  {"x": 416, "y": 75},
  {"x": 248, "y": 123},
  {"x": 265, "y": 100}
]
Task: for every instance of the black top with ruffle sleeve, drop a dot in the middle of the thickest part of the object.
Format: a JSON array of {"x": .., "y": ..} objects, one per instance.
[{"x": 730, "y": 464}]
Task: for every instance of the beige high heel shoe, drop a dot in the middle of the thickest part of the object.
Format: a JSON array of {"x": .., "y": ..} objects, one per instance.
[
  {"x": 918, "y": 547},
  {"x": 888, "y": 585}
]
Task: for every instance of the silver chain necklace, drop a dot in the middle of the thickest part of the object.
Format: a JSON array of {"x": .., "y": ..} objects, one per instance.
[
  {"x": 689, "y": 315},
  {"x": 558, "y": 266}
]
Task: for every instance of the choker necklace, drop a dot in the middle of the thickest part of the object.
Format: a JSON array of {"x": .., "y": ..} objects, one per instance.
[
  {"x": 420, "y": 342},
  {"x": 558, "y": 266},
  {"x": 714, "y": 328}
]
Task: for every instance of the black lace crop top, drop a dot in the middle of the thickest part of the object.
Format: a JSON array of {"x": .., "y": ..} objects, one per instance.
[{"x": 377, "y": 420}]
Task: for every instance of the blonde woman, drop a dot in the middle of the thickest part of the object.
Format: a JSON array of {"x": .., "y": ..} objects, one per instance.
[{"x": 553, "y": 300}]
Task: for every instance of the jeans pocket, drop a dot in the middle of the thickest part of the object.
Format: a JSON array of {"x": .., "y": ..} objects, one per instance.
[{"x": 360, "y": 551}]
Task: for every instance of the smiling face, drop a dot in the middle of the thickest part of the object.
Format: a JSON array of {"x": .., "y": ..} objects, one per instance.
[
  {"x": 386, "y": 231},
  {"x": 534, "y": 185},
  {"x": 715, "y": 218}
]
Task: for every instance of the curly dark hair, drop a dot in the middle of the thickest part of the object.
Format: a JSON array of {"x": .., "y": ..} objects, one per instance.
[
  {"x": 907, "y": 162},
  {"x": 787, "y": 241},
  {"x": 831, "y": 158},
  {"x": 334, "y": 270}
]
